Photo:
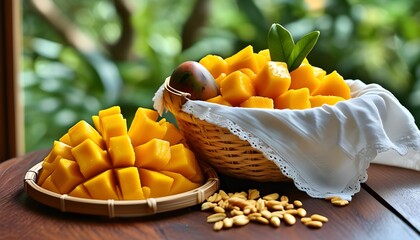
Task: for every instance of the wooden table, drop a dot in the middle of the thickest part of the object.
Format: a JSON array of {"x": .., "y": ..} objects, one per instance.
[{"x": 387, "y": 207}]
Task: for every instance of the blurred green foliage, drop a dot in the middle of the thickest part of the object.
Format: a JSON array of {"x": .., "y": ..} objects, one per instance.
[{"x": 377, "y": 41}]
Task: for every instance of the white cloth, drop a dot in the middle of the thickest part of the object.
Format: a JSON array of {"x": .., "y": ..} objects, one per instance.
[{"x": 325, "y": 150}]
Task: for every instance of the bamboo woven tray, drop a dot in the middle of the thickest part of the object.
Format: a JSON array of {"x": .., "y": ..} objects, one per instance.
[{"x": 120, "y": 208}]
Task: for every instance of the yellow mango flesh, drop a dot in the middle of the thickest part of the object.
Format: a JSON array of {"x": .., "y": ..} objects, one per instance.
[
  {"x": 182, "y": 161},
  {"x": 215, "y": 64},
  {"x": 333, "y": 84},
  {"x": 273, "y": 80},
  {"x": 155, "y": 154},
  {"x": 293, "y": 99},
  {"x": 219, "y": 100},
  {"x": 59, "y": 149},
  {"x": 266, "y": 54},
  {"x": 91, "y": 158},
  {"x": 65, "y": 139},
  {"x": 88, "y": 171},
  {"x": 144, "y": 128},
  {"x": 172, "y": 135},
  {"x": 159, "y": 184},
  {"x": 102, "y": 186},
  {"x": 258, "y": 102},
  {"x": 112, "y": 126},
  {"x": 80, "y": 191},
  {"x": 66, "y": 175},
  {"x": 304, "y": 77},
  {"x": 243, "y": 59},
  {"x": 181, "y": 184},
  {"x": 236, "y": 88},
  {"x": 82, "y": 131},
  {"x": 121, "y": 151},
  {"x": 129, "y": 182},
  {"x": 319, "y": 100}
]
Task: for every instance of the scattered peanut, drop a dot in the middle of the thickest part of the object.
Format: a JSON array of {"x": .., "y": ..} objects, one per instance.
[
  {"x": 238, "y": 209},
  {"x": 275, "y": 221},
  {"x": 337, "y": 201},
  {"x": 218, "y": 226},
  {"x": 289, "y": 218},
  {"x": 317, "y": 217},
  {"x": 216, "y": 217},
  {"x": 313, "y": 224}
]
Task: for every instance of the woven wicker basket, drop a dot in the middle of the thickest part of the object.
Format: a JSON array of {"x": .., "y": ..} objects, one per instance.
[{"x": 223, "y": 150}]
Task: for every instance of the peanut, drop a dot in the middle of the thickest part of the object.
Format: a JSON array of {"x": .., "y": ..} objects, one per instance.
[
  {"x": 317, "y": 217},
  {"x": 301, "y": 212},
  {"x": 289, "y": 219},
  {"x": 240, "y": 220},
  {"x": 227, "y": 222},
  {"x": 272, "y": 196},
  {"x": 216, "y": 217},
  {"x": 313, "y": 224},
  {"x": 275, "y": 221},
  {"x": 218, "y": 226}
]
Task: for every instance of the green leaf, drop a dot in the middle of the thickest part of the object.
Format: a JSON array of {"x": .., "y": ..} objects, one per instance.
[
  {"x": 302, "y": 49},
  {"x": 280, "y": 43}
]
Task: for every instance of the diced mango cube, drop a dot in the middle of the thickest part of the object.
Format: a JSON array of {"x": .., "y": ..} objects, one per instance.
[
  {"x": 172, "y": 135},
  {"x": 249, "y": 73},
  {"x": 216, "y": 65},
  {"x": 319, "y": 73},
  {"x": 102, "y": 186},
  {"x": 121, "y": 151},
  {"x": 91, "y": 158},
  {"x": 293, "y": 99},
  {"x": 333, "y": 84},
  {"x": 273, "y": 80},
  {"x": 154, "y": 155},
  {"x": 181, "y": 184},
  {"x": 80, "y": 191},
  {"x": 49, "y": 185},
  {"x": 182, "y": 161},
  {"x": 319, "y": 100},
  {"x": 59, "y": 149},
  {"x": 159, "y": 184},
  {"x": 109, "y": 111},
  {"x": 304, "y": 77},
  {"x": 66, "y": 175},
  {"x": 82, "y": 131},
  {"x": 142, "y": 121},
  {"x": 245, "y": 58},
  {"x": 112, "y": 126},
  {"x": 266, "y": 54},
  {"x": 220, "y": 78},
  {"x": 65, "y": 139},
  {"x": 97, "y": 123},
  {"x": 219, "y": 100},
  {"x": 104, "y": 113},
  {"x": 258, "y": 102},
  {"x": 130, "y": 184},
  {"x": 236, "y": 88}
]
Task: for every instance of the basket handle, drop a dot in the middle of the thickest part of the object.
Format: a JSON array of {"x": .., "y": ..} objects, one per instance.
[{"x": 175, "y": 91}]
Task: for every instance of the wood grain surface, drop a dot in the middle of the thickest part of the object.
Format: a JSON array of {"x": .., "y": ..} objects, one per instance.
[{"x": 385, "y": 208}]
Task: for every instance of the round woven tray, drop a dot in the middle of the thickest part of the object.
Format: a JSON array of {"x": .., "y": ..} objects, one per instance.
[
  {"x": 226, "y": 152},
  {"x": 120, "y": 208}
]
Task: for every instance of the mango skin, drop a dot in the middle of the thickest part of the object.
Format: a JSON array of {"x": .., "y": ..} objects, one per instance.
[{"x": 193, "y": 78}]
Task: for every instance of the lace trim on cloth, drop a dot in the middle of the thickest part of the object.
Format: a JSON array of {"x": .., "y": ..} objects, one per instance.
[{"x": 363, "y": 137}]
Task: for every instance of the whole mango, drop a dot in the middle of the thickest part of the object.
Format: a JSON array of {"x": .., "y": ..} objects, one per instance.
[{"x": 193, "y": 78}]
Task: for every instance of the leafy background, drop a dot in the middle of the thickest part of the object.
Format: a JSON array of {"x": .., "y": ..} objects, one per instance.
[{"x": 83, "y": 56}]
